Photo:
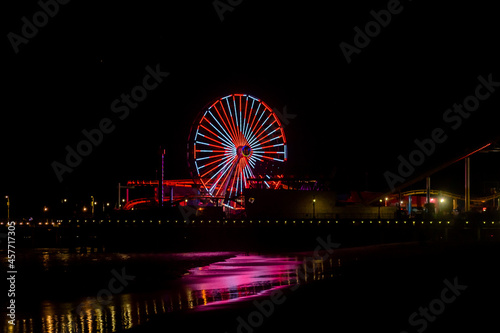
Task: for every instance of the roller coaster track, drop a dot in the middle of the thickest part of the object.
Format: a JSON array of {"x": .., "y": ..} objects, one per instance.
[{"x": 422, "y": 176}]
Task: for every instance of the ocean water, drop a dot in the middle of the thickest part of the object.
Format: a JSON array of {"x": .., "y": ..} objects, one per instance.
[{"x": 58, "y": 291}]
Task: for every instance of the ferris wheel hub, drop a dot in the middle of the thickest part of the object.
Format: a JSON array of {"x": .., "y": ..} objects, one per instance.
[{"x": 244, "y": 151}]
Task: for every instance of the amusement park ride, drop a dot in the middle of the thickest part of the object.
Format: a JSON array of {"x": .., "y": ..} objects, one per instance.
[{"x": 237, "y": 142}]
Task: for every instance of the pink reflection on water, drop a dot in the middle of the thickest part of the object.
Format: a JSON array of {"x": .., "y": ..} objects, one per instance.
[{"x": 238, "y": 277}]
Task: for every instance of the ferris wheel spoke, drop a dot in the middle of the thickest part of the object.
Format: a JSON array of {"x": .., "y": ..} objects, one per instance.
[
  {"x": 228, "y": 125},
  {"x": 272, "y": 146},
  {"x": 255, "y": 121},
  {"x": 271, "y": 158},
  {"x": 235, "y": 129},
  {"x": 227, "y": 173},
  {"x": 226, "y": 135},
  {"x": 227, "y": 140},
  {"x": 208, "y": 130},
  {"x": 233, "y": 126},
  {"x": 255, "y": 134},
  {"x": 221, "y": 165},
  {"x": 262, "y": 129},
  {"x": 259, "y": 141},
  {"x": 217, "y": 185},
  {"x": 276, "y": 137},
  {"x": 223, "y": 144},
  {"x": 246, "y": 133},
  {"x": 236, "y": 115},
  {"x": 244, "y": 126},
  {"x": 209, "y": 144},
  {"x": 210, "y": 163}
]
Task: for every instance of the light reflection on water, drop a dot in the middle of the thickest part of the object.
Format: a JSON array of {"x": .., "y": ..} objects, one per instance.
[{"x": 219, "y": 283}]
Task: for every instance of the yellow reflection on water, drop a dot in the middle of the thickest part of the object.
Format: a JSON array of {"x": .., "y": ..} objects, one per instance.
[{"x": 204, "y": 296}]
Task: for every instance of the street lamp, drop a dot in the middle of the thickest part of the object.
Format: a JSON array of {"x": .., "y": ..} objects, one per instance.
[
  {"x": 8, "y": 208},
  {"x": 379, "y": 205},
  {"x": 314, "y": 207}
]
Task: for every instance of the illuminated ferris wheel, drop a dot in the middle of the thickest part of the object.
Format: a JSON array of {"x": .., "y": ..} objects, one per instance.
[{"x": 237, "y": 138}]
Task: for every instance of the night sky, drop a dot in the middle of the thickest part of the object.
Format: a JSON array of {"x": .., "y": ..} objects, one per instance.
[{"x": 352, "y": 119}]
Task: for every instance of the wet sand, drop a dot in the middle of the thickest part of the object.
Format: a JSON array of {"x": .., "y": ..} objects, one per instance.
[{"x": 375, "y": 289}]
